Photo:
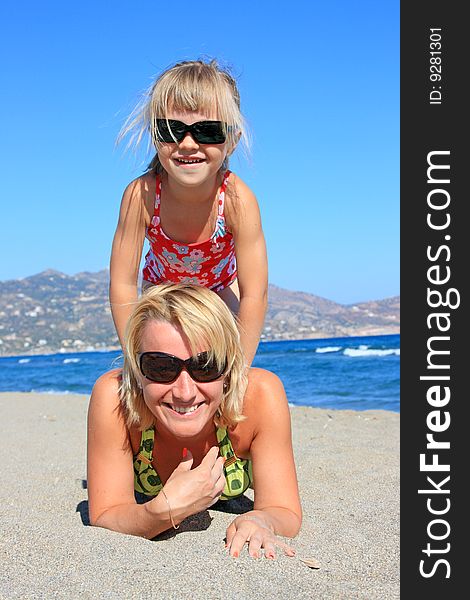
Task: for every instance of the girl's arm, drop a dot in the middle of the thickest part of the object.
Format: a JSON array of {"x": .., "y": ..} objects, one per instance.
[
  {"x": 252, "y": 267},
  {"x": 277, "y": 509},
  {"x": 126, "y": 254},
  {"x": 110, "y": 474}
]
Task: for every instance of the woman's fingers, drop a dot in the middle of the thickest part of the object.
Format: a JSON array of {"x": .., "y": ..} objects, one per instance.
[
  {"x": 254, "y": 545},
  {"x": 256, "y": 537},
  {"x": 220, "y": 483},
  {"x": 230, "y": 534},
  {"x": 285, "y": 547},
  {"x": 211, "y": 457},
  {"x": 218, "y": 488},
  {"x": 214, "y": 463},
  {"x": 237, "y": 542},
  {"x": 269, "y": 550}
]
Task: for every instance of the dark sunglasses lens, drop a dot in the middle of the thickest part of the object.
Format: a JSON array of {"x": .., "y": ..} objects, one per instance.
[
  {"x": 168, "y": 131},
  {"x": 203, "y": 369},
  {"x": 161, "y": 369},
  {"x": 209, "y": 132}
]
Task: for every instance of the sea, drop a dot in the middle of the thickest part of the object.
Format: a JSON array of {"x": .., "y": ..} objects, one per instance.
[{"x": 357, "y": 373}]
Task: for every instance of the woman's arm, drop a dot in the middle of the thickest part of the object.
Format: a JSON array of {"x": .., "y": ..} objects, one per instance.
[
  {"x": 252, "y": 266},
  {"x": 126, "y": 254},
  {"x": 110, "y": 474},
  {"x": 277, "y": 509}
]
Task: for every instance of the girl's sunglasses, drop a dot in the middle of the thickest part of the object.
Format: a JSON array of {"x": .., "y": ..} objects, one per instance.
[
  {"x": 165, "y": 368},
  {"x": 204, "y": 132}
]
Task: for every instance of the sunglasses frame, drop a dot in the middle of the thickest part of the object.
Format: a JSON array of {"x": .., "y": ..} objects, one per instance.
[
  {"x": 178, "y": 129},
  {"x": 182, "y": 365}
]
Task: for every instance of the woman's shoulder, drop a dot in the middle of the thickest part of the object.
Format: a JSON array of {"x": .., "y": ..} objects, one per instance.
[
  {"x": 265, "y": 396},
  {"x": 109, "y": 380},
  {"x": 105, "y": 393},
  {"x": 265, "y": 407}
]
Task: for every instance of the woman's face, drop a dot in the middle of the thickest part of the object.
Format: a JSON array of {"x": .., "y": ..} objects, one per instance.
[{"x": 163, "y": 399}]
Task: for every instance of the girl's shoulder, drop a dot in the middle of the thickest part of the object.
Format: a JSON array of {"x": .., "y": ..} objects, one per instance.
[
  {"x": 237, "y": 187},
  {"x": 140, "y": 190},
  {"x": 240, "y": 201},
  {"x": 142, "y": 184}
]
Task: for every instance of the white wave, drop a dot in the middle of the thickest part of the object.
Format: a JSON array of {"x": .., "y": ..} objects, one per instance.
[
  {"x": 370, "y": 352},
  {"x": 53, "y": 392},
  {"x": 66, "y": 361},
  {"x": 363, "y": 347},
  {"x": 24, "y": 360},
  {"x": 328, "y": 349}
]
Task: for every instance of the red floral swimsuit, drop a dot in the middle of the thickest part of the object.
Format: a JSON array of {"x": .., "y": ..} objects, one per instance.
[{"x": 211, "y": 263}]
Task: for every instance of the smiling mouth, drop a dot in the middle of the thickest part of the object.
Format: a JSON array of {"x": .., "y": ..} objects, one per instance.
[
  {"x": 187, "y": 410},
  {"x": 189, "y": 161}
]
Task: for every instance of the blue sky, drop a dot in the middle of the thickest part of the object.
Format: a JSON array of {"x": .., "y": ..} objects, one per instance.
[{"x": 328, "y": 191}]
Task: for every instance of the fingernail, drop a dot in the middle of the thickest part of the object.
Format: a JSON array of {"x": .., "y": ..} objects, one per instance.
[
  {"x": 185, "y": 452},
  {"x": 235, "y": 554}
]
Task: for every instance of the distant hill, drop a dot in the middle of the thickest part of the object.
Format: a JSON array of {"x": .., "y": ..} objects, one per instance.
[{"x": 54, "y": 312}]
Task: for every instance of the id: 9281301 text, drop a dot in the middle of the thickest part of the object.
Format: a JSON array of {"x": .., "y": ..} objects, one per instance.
[{"x": 435, "y": 65}]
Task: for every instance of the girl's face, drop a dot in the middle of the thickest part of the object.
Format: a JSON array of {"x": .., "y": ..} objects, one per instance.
[
  {"x": 188, "y": 162},
  {"x": 184, "y": 393}
]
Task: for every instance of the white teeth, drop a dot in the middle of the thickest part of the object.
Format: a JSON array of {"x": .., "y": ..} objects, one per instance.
[
  {"x": 189, "y": 162},
  {"x": 183, "y": 411}
]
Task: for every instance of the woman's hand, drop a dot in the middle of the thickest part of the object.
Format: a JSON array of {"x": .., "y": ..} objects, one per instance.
[
  {"x": 193, "y": 490},
  {"x": 254, "y": 529}
]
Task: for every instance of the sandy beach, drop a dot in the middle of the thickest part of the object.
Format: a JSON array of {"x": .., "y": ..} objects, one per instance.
[{"x": 348, "y": 470}]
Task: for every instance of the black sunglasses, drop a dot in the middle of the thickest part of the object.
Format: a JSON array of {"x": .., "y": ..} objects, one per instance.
[
  {"x": 165, "y": 368},
  {"x": 204, "y": 132}
]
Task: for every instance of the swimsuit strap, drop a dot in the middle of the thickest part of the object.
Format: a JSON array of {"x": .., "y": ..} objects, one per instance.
[
  {"x": 146, "y": 479},
  {"x": 238, "y": 471},
  {"x": 146, "y": 446},
  {"x": 221, "y": 199},
  {"x": 158, "y": 193}
]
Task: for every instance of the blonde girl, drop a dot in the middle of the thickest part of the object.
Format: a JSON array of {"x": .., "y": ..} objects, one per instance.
[{"x": 202, "y": 222}]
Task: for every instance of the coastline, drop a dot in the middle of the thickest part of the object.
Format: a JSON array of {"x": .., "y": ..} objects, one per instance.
[
  {"x": 90, "y": 349},
  {"x": 348, "y": 471}
]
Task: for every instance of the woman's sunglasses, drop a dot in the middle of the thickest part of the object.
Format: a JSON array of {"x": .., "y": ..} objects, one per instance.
[
  {"x": 165, "y": 368},
  {"x": 204, "y": 132}
]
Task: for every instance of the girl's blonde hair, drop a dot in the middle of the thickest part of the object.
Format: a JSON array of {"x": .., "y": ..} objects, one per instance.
[
  {"x": 208, "y": 324},
  {"x": 188, "y": 86}
]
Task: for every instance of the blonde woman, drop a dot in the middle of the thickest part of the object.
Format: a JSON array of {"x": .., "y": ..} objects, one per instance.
[
  {"x": 202, "y": 222},
  {"x": 181, "y": 426}
]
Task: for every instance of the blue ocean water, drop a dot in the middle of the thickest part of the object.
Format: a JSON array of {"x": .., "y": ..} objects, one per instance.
[{"x": 358, "y": 373}]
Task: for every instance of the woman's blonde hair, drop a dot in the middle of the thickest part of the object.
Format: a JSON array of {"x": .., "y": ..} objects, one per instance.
[
  {"x": 207, "y": 323},
  {"x": 188, "y": 86}
]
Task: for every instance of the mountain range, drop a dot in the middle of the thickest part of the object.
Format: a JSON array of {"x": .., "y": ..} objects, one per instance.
[{"x": 54, "y": 312}]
